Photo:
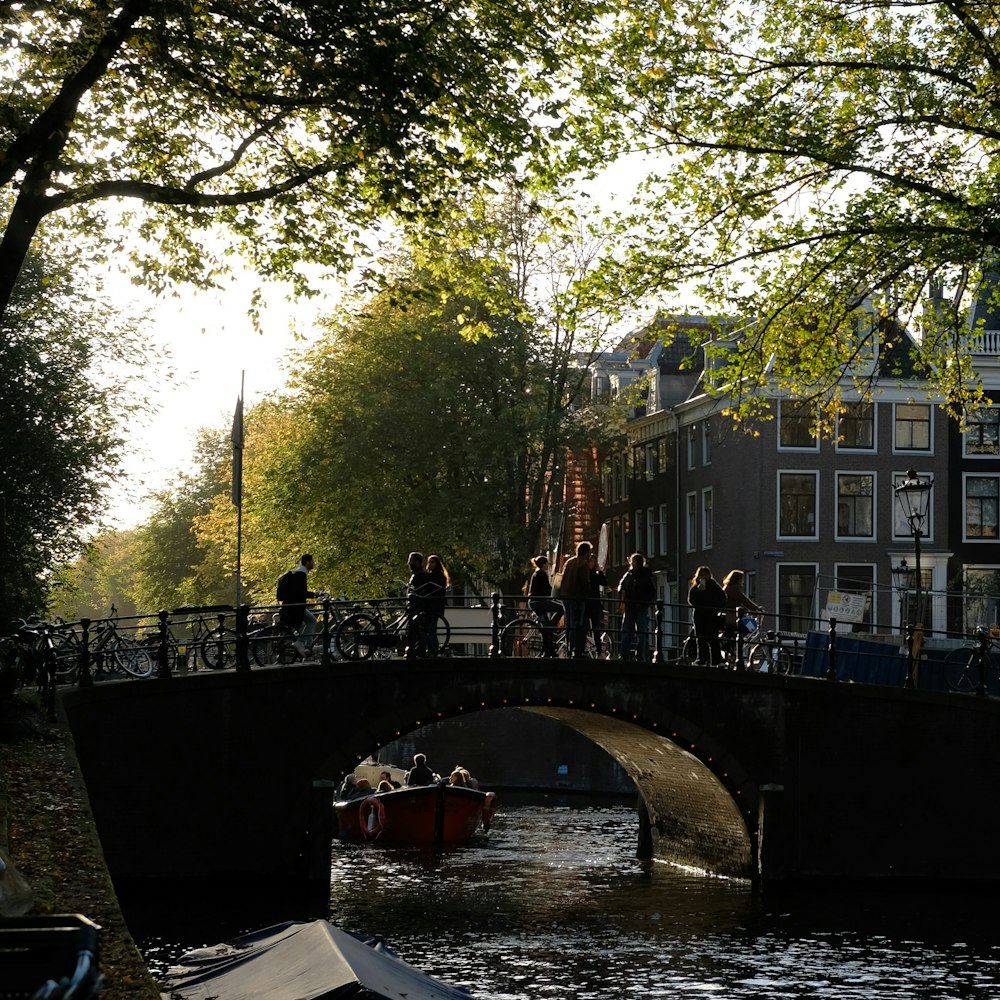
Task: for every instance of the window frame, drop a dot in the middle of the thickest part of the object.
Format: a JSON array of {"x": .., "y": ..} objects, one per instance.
[
  {"x": 707, "y": 517},
  {"x": 872, "y": 422},
  {"x": 987, "y": 476},
  {"x": 691, "y": 521},
  {"x": 994, "y": 422},
  {"x": 782, "y": 417},
  {"x": 872, "y": 477},
  {"x": 806, "y": 473},
  {"x": 900, "y": 449}
]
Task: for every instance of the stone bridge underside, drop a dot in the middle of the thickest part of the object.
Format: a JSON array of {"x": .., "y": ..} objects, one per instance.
[{"x": 693, "y": 819}]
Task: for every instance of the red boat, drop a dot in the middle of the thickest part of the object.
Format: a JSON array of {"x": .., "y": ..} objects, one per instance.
[{"x": 437, "y": 815}]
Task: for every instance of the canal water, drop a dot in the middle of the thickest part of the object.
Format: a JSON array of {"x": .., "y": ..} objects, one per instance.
[{"x": 553, "y": 903}]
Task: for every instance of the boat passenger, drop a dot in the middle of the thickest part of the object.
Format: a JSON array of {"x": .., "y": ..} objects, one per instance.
[
  {"x": 384, "y": 786},
  {"x": 469, "y": 780},
  {"x": 362, "y": 789},
  {"x": 420, "y": 773},
  {"x": 346, "y": 787},
  {"x": 457, "y": 778},
  {"x": 387, "y": 776}
]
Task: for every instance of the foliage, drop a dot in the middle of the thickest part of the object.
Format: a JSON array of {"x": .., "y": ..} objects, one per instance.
[
  {"x": 434, "y": 417},
  {"x": 102, "y": 576},
  {"x": 810, "y": 162},
  {"x": 292, "y": 124},
  {"x": 69, "y": 368}
]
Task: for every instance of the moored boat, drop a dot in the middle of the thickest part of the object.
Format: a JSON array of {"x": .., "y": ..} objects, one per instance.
[{"x": 435, "y": 815}]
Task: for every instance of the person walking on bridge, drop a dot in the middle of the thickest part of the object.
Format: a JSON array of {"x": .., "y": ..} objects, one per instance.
[{"x": 573, "y": 592}]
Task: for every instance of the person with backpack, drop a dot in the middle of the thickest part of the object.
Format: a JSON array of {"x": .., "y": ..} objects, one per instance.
[
  {"x": 637, "y": 590},
  {"x": 292, "y": 593}
]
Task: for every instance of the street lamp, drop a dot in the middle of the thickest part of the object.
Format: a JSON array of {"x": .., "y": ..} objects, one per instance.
[
  {"x": 913, "y": 495},
  {"x": 902, "y": 577}
]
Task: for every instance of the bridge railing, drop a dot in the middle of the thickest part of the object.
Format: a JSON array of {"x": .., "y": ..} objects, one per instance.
[{"x": 836, "y": 651}]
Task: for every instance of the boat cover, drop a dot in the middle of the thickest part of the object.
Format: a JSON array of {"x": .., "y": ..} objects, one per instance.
[{"x": 301, "y": 961}]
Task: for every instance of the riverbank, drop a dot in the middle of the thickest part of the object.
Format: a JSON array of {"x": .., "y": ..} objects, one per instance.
[{"x": 47, "y": 830}]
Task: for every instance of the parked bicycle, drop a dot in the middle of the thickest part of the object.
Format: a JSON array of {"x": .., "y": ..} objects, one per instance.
[
  {"x": 110, "y": 649},
  {"x": 389, "y": 631},
  {"x": 522, "y": 636},
  {"x": 971, "y": 667}
]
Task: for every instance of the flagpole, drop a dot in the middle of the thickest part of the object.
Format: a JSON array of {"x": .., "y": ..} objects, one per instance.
[{"x": 238, "y": 484}]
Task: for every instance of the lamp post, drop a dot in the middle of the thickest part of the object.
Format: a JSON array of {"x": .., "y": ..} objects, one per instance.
[
  {"x": 901, "y": 577},
  {"x": 913, "y": 495}
]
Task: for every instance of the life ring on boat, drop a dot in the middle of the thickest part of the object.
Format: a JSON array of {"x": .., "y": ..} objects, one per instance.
[
  {"x": 489, "y": 808},
  {"x": 372, "y": 816}
]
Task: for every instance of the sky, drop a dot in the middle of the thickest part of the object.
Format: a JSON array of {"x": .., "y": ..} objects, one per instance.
[{"x": 212, "y": 343}]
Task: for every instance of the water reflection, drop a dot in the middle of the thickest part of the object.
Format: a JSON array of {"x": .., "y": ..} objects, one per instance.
[{"x": 554, "y": 903}]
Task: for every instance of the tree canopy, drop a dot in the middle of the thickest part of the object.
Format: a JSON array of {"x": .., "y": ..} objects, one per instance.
[
  {"x": 288, "y": 124},
  {"x": 810, "y": 160},
  {"x": 66, "y": 361}
]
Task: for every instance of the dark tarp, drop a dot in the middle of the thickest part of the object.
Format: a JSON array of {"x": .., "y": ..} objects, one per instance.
[{"x": 301, "y": 961}]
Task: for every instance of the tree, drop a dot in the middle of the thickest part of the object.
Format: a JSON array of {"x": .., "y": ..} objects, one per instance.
[
  {"x": 433, "y": 417},
  {"x": 67, "y": 362},
  {"x": 814, "y": 162},
  {"x": 291, "y": 124}
]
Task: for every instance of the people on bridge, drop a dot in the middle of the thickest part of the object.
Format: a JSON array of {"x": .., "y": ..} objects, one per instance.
[
  {"x": 420, "y": 773},
  {"x": 435, "y": 601},
  {"x": 573, "y": 592},
  {"x": 293, "y": 592},
  {"x": 732, "y": 587},
  {"x": 637, "y": 589},
  {"x": 709, "y": 602},
  {"x": 595, "y": 603},
  {"x": 546, "y": 609}
]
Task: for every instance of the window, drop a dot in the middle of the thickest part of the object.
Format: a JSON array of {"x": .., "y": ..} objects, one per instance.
[
  {"x": 617, "y": 542},
  {"x": 639, "y": 524},
  {"x": 706, "y": 444},
  {"x": 856, "y": 427},
  {"x": 650, "y": 531},
  {"x": 638, "y": 462},
  {"x": 981, "y": 596},
  {"x": 692, "y": 521},
  {"x": 796, "y": 597},
  {"x": 797, "y": 504},
  {"x": 662, "y": 549},
  {"x": 982, "y": 507},
  {"x": 900, "y": 526},
  {"x": 983, "y": 434},
  {"x": 690, "y": 446},
  {"x": 623, "y": 476},
  {"x": 661, "y": 454},
  {"x": 854, "y": 505},
  {"x": 796, "y": 420},
  {"x": 912, "y": 430},
  {"x": 706, "y": 518},
  {"x": 651, "y": 464},
  {"x": 616, "y": 470}
]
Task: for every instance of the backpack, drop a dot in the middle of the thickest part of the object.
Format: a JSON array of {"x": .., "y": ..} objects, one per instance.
[{"x": 283, "y": 592}]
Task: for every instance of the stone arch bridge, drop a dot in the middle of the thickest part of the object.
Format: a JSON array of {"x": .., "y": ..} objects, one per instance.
[{"x": 774, "y": 779}]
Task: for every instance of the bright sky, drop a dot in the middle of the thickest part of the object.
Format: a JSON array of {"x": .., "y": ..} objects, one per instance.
[{"x": 212, "y": 342}]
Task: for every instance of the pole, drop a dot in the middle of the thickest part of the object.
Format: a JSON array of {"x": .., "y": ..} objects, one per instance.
[
  {"x": 918, "y": 632},
  {"x": 237, "y": 476}
]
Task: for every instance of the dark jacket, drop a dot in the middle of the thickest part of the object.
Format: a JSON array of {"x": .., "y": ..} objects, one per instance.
[
  {"x": 539, "y": 585},
  {"x": 637, "y": 587},
  {"x": 293, "y": 609},
  {"x": 419, "y": 774},
  {"x": 707, "y": 603},
  {"x": 435, "y": 593}
]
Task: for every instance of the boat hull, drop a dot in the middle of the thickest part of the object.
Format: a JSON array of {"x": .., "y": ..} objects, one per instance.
[{"x": 422, "y": 816}]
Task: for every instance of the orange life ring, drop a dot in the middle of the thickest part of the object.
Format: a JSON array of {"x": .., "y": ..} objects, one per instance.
[
  {"x": 489, "y": 808},
  {"x": 372, "y": 816}
]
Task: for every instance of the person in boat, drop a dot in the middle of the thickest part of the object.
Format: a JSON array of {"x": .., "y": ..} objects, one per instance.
[
  {"x": 420, "y": 773},
  {"x": 384, "y": 786},
  {"x": 457, "y": 778},
  {"x": 362, "y": 789},
  {"x": 387, "y": 776},
  {"x": 346, "y": 787},
  {"x": 469, "y": 780}
]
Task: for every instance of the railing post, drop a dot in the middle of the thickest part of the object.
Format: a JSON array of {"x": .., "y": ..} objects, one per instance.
[
  {"x": 84, "y": 678},
  {"x": 911, "y": 638},
  {"x": 740, "y": 661},
  {"x": 495, "y": 631},
  {"x": 327, "y": 658},
  {"x": 242, "y": 640},
  {"x": 984, "y": 653},
  {"x": 658, "y": 632},
  {"x": 831, "y": 652},
  {"x": 163, "y": 647}
]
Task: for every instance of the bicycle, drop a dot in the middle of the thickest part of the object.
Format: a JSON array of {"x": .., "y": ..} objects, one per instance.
[
  {"x": 107, "y": 646},
  {"x": 367, "y": 633},
  {"x": 967, "y": 667},
  {"x": 276, "y": 643},
  {"x": 522, "y": 636}
]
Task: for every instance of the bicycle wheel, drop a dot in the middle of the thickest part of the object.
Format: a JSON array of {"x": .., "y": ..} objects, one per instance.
[
  {"x": 218, "y": 648},
  {"x": 273, "y": 644},
  {"x": 689, "y": 651},
  {"x": 358, "y": 636},
  {"x": 132, "y": 657},
  {"x": 521, "y": 637},
  {"x": 67, "y": 649},
  {"x": 961, "y": 669}
]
